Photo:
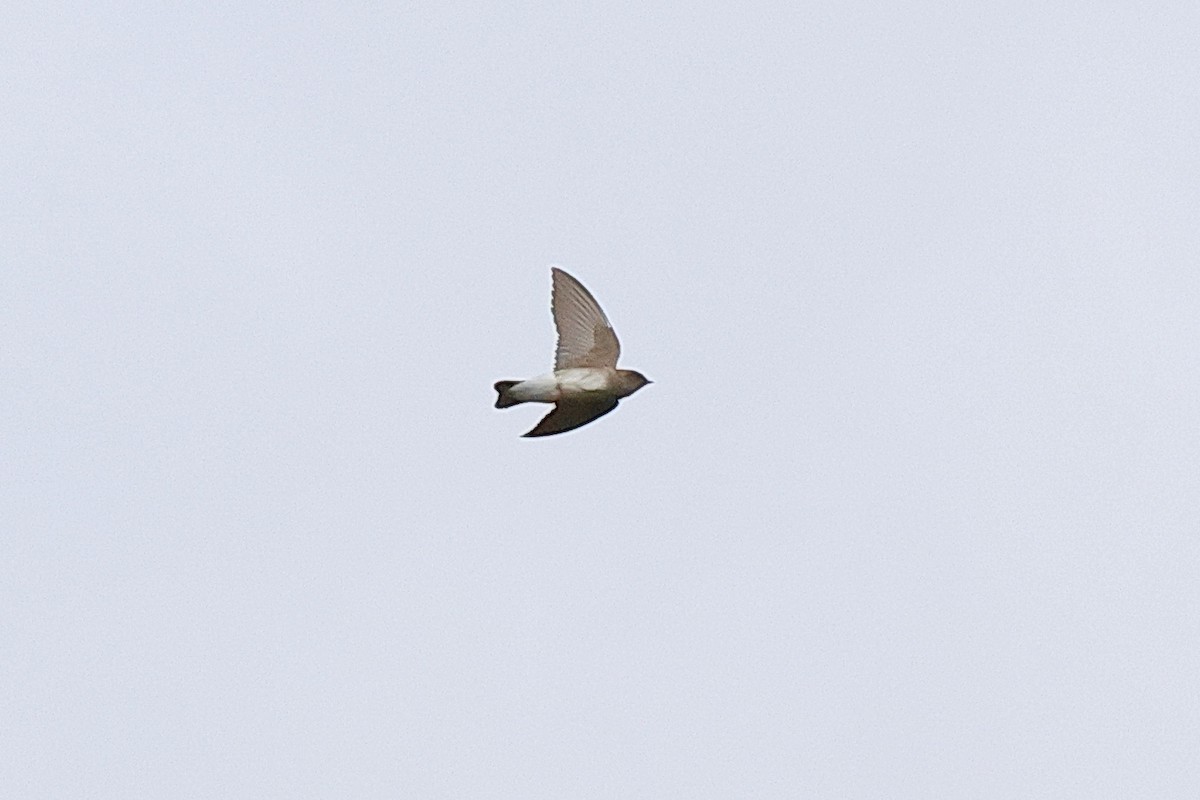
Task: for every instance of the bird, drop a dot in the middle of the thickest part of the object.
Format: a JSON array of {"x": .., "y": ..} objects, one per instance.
[{"x": 585, "y": 383}]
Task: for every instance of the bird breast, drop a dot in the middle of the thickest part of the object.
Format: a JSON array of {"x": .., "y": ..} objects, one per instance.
[{"x": 584, "y": 379}]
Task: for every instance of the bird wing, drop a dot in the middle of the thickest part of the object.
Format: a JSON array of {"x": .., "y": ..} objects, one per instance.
[
  {"x": 585, "y": 336},
  {"x": 570, "y": 414}
]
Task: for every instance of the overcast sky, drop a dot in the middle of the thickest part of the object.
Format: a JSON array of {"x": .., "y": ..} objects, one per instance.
[{"x": 912, "y": 509}]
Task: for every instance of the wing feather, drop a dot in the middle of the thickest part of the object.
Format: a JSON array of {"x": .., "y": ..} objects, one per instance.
[
  {"x": 585, "y": 336},
  {"x": 569, "y": 415}
]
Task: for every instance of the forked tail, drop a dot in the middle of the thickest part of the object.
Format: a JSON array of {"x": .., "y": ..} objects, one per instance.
[{"x": 503, "y": 400}]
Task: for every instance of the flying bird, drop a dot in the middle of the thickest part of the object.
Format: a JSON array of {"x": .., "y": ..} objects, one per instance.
[{"x": 585, "y": 383}]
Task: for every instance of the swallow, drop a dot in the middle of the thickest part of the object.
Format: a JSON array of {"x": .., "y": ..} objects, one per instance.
[{"x": 585, "y": 384}]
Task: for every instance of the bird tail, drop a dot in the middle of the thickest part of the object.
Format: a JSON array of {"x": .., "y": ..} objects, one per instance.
[{"x": 503, "y": 399}]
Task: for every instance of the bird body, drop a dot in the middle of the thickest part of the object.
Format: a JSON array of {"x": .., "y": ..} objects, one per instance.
[
  {"x": 585, "y": 383},
  {"x": 573, "y": 383}
]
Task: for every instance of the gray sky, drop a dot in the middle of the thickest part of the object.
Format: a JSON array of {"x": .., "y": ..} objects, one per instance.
[{"x": 911, "y": 511}]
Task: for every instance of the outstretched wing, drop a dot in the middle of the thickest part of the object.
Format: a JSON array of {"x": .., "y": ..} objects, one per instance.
[
  {"x": 571, "y": 414},
  {"x": 585, "y": 336}
]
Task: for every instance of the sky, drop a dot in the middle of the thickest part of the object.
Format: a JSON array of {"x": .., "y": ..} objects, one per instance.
[{"x": 911, "y": 510}]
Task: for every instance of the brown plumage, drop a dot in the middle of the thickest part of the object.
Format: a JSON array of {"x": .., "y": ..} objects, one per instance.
[{"x": 585, "y": 384}]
